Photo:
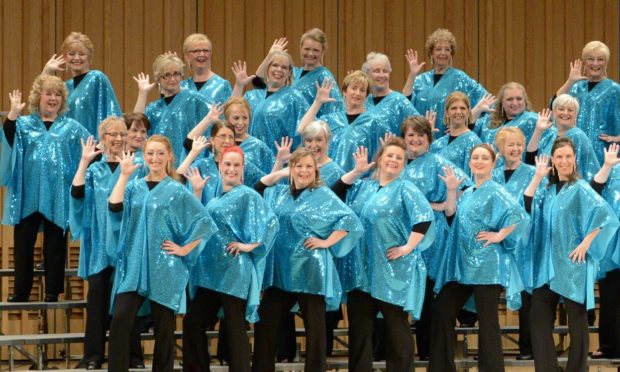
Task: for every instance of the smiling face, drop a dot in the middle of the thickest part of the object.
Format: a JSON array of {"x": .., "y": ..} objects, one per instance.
[
  {"x": 311, "y": 52},
  {"x": 417, "y": 143},
  {"x": 481, "y": 163},
  {"x": 224, "y": 137},
  {"x": 77, "y": 58},
  {"x": 199, "y": 55},
  {"x": 115, "y": 138},
  {"x": 458, "y": 113},
  {"x": 136, "y": 135},
  {"x": 157, "y": 157},
  {"x": 303, "y": 172},
  {"x": 379, "y": 76},
  {"x": 512, "y": 148},
  {"x": 565, "y": 116},
  {"x": 392, "y": 161},
  {"x": 355, "y": 95},
  {"x": 231, "y": 169},
  {"x": 595, "y": 65},
  {"x": 170, "y": 79},
  {"x": 513, "y": 102},
  {"x": 442, "y": 55},
  {"x": 563, "y": 160},
  {"x": 318, "y": 145},
  {"x": 50, "y": 103},
  {"x": 279, "y": 71},
  {"x": 239, "y": 117}
]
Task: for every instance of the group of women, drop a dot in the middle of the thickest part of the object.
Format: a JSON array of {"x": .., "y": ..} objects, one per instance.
[{"x": 243, "y": 206}]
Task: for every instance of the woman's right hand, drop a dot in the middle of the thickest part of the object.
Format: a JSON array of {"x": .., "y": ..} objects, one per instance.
[
  {"x": 575, "y": 74},
  {"x": 544, "y": 120},
  {"x": 323, "y": 91},
  {"x": 144, "y": 84},
  {"x": 361, "y": 161},
  {"x": 279, "y": 45},
  {"x": 89, "y": 149},
  {"x": 542, "y": 166},
  {"x": 16, "y": 104},
  {"x": 127, "y": 164},
  {"x": 449, "y": 178},
  {"x": 412, "y": 59},
  {"x": 240, "y": 70},
  {"x": 196, "y": 180},
  {"x": 284, "y": 150},
  {"x": 55, "y": 64}
]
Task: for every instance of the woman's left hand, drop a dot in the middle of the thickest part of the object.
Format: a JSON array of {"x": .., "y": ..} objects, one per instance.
[
  {"x": 235, "y": 248},
  {"x": 578, "y": 255},
  {"x": 490, "y": 237},
  {"x": 195, "y": 179},
  {"x": 314, "y": 243},
  {"x": 398, "y": 252},
  {"x": 172, "y": 248}
]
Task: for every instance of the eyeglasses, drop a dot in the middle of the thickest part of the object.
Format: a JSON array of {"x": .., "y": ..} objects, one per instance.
[
  {"x": 116, "y": 134},
  {"x": 167, "y": 76},
  {"x": 224, "y": 137},
  {"x": 198, "y": 51}
]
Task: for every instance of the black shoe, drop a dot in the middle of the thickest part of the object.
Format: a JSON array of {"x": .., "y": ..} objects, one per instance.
[
  {"x": 525, "y": 357},
  {"x": 137, "y": 364},
  {"x": 598, "y": 355},
  {"x": 18, "y": 298},
  {"x": 82, "y": 364},
  {"x": 39, "y": 266},
  {"x": 54, "y": 298},
  {"x": 93, "y": 365}
]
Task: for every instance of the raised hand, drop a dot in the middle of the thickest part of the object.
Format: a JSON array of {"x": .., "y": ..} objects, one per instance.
[
  {"x": 195, "y": 179},
  {"x": 56, "y": 63},
  {"x": 361, "y": 160},
  {"x": 16, "y": 104},
  {"x": 576, "y": 71},
  {"x": 127, "y": 164},
  {"x": 323, "y": 91},
  {"x": 386, "y": 137},
  {"x": 542, "y": 166},
  {"x": 284, "y": 149},
  {"x": 485, "y": 103},
  {"x": 144, "y": 84},
  {"x": 611, "y": 155},
  {"x": 239, "y": 68},
  {"x": 89, "y": 149},
  {"x": 279, "y": 45},
  {"x": 199, "y": 144},
  {"x": 170, "y": 53},
  {"x": 412, "y": 58},
  {"x": 215, "y": 113},
  {"x": 544, "y": 120},
  {"x": 431, "y": 116},
  {"x": 449, "y": 178}
]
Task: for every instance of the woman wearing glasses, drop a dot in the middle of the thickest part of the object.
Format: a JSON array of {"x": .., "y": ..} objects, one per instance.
[
  {"x": 178, "y": 110},
  {"x": 197, "y": 51}
]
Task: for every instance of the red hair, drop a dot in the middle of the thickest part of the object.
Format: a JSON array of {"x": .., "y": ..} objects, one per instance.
[{"x": 233, "y": 148}]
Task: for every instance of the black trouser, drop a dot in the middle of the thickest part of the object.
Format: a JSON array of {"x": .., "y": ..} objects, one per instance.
[
  {"x": 98, "y": 319},
  {"x": 202, "y": 314},
  {"x": 126, "y": 306},
  {"x": 287, "y": 340},
  {"x": 542, "y": 317},
  {"x": 447, "y": 305},
  {"x": 332, "y": 318},
  {"x": 609, "y": 316},
  {"x": 54, "y": 254},
  {"x": 274, "y": 305},
  {"x": 362, "y": 310},
  {"x": 525, "y": 331},
  {"x": 423, "y": 325}
]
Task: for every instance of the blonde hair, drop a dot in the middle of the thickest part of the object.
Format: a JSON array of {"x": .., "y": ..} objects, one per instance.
[
  {"x": 356, "y": 77},
  {"x": 452, "y": 98},
  {"x": 170, "y": 165},
  {"x": 440, "y": 34},
  {"x": 236, "y": 101},
  {"x": 594, "y": 46},
  {"x": 195, "y": 38},
  {"x": 499, "y": 116},
  {"x": 376, "y": 57},
  {"x": 78, "y": 38},
  {"x": 317, "y": 35},
  {"x": 566, "y": 100},
  {"x": 296, "y": 157},
  {"x": 392, "y": 141},
  {"x": 43, "y": 82},
  {"x": 164, "y": 60},
  {"x": 503, "y": 133},
  {"x": 290, "y": 66}
]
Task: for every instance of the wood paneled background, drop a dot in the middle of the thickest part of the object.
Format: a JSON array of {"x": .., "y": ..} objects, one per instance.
[{"x": 529, "y": 41}]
